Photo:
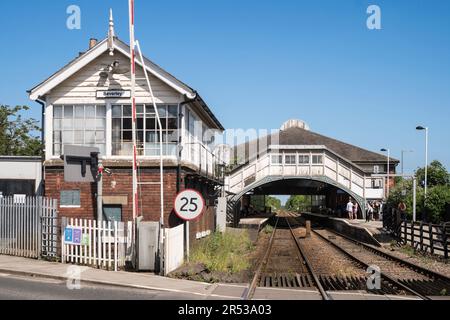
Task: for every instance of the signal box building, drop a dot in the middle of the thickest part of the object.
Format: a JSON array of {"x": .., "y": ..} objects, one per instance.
[{"x": 87, "y": 103}]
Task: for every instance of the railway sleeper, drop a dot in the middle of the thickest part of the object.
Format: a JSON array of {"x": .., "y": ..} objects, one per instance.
[
  {"x": 428, "y": 287},
  {"x": 286, "y": 281}
]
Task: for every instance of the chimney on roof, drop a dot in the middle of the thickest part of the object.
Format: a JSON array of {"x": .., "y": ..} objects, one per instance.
[{"x": 92, "y": 42}]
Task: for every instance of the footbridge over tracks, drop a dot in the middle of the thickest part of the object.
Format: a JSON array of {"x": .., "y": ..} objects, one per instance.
[{"x": 303, "y": 162}]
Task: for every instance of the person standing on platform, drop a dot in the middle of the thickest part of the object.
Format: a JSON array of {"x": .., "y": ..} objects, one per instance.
[
  {"x": 369, "y": 213},
  {"x": 350, "y": 209},
  {"x": 355, "y": 210},
  {"x": 402, "y": 209}
]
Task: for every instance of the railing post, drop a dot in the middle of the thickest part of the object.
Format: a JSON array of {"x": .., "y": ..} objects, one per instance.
[{"x": 63, "y": 247}]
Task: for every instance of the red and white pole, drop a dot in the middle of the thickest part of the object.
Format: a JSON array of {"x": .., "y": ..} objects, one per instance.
[{"x": 133, "y": 105}]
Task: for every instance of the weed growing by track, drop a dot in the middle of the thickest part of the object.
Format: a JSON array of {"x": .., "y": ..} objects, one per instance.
[
  {"x": 223, "y": 252},
  {"x": 268, "y": 229}
]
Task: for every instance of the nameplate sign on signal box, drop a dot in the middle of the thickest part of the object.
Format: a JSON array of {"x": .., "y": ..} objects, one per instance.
[{"x": 113, "y": 94}]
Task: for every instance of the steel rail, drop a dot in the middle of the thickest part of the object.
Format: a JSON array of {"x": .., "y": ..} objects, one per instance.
[
  {"x": 250, "y": 291},
  {"x": 410, "y": 265},
  {"x": 383, "y": 275},
  {"x": 319, "y": 286}
]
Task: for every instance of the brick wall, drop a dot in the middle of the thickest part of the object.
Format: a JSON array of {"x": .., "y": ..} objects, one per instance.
[{"x": 119, "y": 183}]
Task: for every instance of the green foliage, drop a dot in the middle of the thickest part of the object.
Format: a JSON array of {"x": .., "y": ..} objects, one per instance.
[
  {"x": 438, "y": 195},
  {"x": 17, "y": 134},
  {"x": 273, "y": 202},
  {"x": 437, "y": 174},
  {"x": 403, "y": 191},
  {"x": 437, "y": 198},
  {"x": 268, "y": 229},
  {"x": 223, "y": 252},
  {"x": 298, "y": 202},
  {"x": 257, "y": 201}
]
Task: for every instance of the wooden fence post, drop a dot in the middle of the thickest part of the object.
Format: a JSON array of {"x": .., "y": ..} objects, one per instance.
[
  {"x": 430, "y": 230},
  {"x": 421, "y": 236},
  {"x": 406, "y": 231},
  {"x": 444, "y": 241}
]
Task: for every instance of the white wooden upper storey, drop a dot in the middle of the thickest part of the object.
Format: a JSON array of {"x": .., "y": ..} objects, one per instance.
[{"x": 74, "y": 113}]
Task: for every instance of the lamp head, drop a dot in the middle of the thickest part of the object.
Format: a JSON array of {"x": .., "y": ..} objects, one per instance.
[
  {"x": 384, "y": 150},
  {"x": 420, "y": 128}
]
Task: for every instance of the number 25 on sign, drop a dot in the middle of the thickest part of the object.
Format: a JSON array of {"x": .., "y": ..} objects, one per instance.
[{"x": 189, "y": 205}]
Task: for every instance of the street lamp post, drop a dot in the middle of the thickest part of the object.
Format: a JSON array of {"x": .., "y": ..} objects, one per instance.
[
  {"x": 420, "y": 128},
  {"x": 388, "y": 169},
  {"x": 403, "y": 152}
]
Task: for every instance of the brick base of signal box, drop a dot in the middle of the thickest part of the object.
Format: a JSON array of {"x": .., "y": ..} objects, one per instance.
[{"x": 117, "y": 190}]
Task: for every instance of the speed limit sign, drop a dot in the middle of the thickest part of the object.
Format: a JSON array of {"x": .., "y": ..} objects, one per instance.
[{"x": 189, "y": 205}]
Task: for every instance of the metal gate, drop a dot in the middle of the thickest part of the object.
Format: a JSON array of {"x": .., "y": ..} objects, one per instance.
[
  {"x": 28, "y": 227},
  {"x": 50, "y": 229}
]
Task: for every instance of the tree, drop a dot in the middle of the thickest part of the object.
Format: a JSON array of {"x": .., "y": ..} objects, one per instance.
[
  {"x": 437, "y": 174},
  {"x": 18, "y": 135},
  {"x": 437, "y": 199},
  {"x": 297, "y": 203},
  {"x": 403, "y": 192},
  {"x": 438, "y": 195},
  {"x": 273, "y": 202}
]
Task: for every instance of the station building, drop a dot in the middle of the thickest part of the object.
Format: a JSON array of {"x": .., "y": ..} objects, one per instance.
[
  {"x": 298, "y": 161},
  {"x": 20, "y": 176},
  {"x": 87, "y": 103}
]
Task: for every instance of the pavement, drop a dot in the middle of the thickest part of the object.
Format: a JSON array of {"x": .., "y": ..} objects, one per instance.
[
  {"x": 15, "y": 287},
  {"x": 16, "y": 273},
  {"x": 59, "y": 271}
]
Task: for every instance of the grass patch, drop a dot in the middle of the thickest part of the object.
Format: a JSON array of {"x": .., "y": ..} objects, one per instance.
[
  {"x": 406, "y": 249},
  {"x": 223, "y": 252},
  {"x": 268, "y": 229}
]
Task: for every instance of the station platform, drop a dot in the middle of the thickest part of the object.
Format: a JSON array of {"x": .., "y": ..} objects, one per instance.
[
  {"x": 371, "y": 232},
  {"x": 257, "y": 221}
]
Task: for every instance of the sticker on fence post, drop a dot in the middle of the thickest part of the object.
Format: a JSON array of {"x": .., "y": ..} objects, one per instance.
[
  {"x": 73, "y": 235},
  {"x": 189, "y": 205}
]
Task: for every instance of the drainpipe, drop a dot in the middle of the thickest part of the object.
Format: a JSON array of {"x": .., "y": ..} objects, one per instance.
[
  {"x": 180, "y": 119},
  {"x": 43, "y": 105}
]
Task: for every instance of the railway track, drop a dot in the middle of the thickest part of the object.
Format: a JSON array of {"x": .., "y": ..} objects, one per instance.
[
  {"x": 284, "y": 264},
  {"x": 295, "y": 262},
  {"x": 339, "y": 272},
  {"x": 395, "y": 272}
]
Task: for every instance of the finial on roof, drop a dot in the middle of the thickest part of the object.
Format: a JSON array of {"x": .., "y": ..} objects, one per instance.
[
  {"x": 111, "y": 33},
  {"x": 294, "y": 123}
]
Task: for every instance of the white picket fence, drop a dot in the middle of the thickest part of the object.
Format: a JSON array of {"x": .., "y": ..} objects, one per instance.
[
  {"x": 105, "y": 245},
  {"x": 22, "y": 220}
]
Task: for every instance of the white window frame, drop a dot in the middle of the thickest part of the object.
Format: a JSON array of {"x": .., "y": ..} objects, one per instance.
[
  {"x": 290, "y": 155},
  {"x": 165, "y": 144},
  {"x": 73, "y": 128},
  {"x": 317, "y": 156},
  {"x": 280, "y": 157},
  {"x": 303, "y": 156}
]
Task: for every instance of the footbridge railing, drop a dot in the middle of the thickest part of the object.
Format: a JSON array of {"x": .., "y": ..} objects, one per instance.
[{"x": 317, "y": 163}]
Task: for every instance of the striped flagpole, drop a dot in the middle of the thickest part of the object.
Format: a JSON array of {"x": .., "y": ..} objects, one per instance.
[{"x": 133, "y": 104}]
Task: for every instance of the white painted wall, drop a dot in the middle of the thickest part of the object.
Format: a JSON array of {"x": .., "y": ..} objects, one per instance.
[
  {"x": 21, "y": 168},
  {"x": 83, "y": 85}
]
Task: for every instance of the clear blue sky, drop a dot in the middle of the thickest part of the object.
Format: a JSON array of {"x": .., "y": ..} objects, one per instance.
[{"x": 258, "y": 63}]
